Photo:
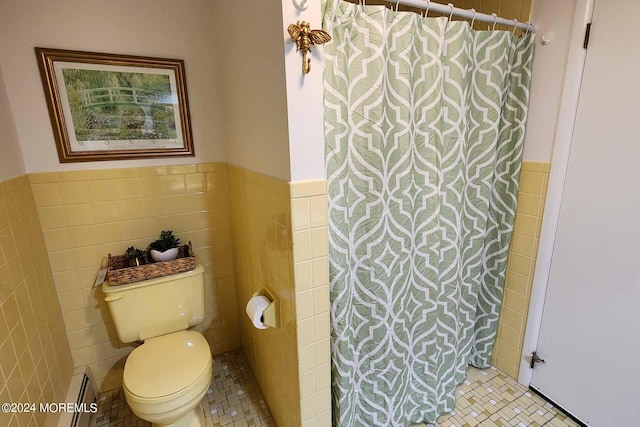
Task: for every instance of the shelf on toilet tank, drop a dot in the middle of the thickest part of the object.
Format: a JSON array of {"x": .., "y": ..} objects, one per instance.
[
  {"x": 110, "y": 287},
  {"x": 119, "y": 272}
]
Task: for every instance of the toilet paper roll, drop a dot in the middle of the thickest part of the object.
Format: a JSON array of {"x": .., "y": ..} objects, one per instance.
[{"x": 255, "y": 308}]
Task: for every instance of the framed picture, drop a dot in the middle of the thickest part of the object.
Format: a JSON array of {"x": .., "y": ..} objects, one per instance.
[{"x": 110, "y": 107}]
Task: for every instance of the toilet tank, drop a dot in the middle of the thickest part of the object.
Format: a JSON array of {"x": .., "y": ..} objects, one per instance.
[{"x": 155, "y": 307}]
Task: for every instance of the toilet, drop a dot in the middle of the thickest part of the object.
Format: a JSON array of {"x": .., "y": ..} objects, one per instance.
[{"x": 167, "y": 376}]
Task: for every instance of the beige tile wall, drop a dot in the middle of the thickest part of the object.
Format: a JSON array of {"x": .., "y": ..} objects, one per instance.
[
  {"x": 35, "y": 360},
  {"x": 310, "y": 254},
  {"x": 263, "y": 256},
  {"x": 281, "y": 242},
  {"x": 87, "y": 214},
  {"x": 507, "y": 351}
]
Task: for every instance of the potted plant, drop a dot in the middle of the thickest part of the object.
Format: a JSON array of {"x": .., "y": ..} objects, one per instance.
[
  {"x": 135, "y": 256},
  {"x": 165, "y": 248}
]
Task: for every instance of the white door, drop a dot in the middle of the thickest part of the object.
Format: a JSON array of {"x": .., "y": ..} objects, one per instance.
[{"x": 590, "y": 333}]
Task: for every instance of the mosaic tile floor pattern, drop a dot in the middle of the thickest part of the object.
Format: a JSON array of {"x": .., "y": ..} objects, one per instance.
[
  {"x": 233, "y": 400},
  {"x": 490, "y": 398},
  {"x": 487, "y": 398}
]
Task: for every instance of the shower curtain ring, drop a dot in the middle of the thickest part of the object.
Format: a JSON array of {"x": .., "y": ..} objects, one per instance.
[
  {"x": 495, "y": 21},
  {"x": 515, "y": 27},
  {"x": 528, "y": 30},
  {"x": 473, "y": 20},
  {"x": 397, "y": 6},
  {"x": 426, "y": 12},
  {"x": 451, "y": 14}
]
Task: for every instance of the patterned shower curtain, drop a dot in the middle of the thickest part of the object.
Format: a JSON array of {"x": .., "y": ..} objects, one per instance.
[{"x": 424, "y": 125}]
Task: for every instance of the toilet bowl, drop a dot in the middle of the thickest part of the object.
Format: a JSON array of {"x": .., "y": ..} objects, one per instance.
[{"x": 167, "y": 376}]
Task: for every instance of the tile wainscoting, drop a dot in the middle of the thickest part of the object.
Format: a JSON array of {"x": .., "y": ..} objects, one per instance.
[
  {"x": 263, "y": 256},
  {"x": 310, "y": 255},
  {"x": 280, "y": 241},
  {"x": 507, "y": 351},
  {"x": 87, "y": 214},
  {"x": 35, "y": 360}
]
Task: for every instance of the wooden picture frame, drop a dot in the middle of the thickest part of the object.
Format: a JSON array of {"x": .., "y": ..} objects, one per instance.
[{"x": 113, "y": 107}]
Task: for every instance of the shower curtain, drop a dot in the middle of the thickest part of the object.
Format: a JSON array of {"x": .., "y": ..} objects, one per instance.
[{"x": 424, "y": 127}]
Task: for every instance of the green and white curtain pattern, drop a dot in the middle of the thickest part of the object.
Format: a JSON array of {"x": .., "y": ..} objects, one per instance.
[{"x": 424, "y": 124}]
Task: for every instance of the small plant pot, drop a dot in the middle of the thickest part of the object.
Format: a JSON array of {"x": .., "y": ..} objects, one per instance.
[
  {"x": 136, "y": 262},
  {"x": 168, "y": 255}
]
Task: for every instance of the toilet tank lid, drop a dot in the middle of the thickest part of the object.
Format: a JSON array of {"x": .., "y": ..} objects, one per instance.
[
  {"x": 166, "y": 365},
  {"x": 107, "y": 288}
]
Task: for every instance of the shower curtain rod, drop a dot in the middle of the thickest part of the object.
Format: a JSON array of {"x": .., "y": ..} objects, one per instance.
[{"x": 468, "y": 14}]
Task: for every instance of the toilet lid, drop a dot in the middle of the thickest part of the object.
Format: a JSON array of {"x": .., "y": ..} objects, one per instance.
[{"x": 165, "y": 365}]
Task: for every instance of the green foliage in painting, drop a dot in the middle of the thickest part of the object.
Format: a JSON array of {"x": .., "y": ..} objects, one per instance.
[{"x": 110, "y": 105}]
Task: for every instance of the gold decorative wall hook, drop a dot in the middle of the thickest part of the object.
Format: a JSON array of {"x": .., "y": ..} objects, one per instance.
[
  {"x": 305, "y": 37},
  {"x": 306, "y": 62}
]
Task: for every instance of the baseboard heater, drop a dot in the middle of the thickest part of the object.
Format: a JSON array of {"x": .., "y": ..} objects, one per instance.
[{"x": 82, "y": 391}]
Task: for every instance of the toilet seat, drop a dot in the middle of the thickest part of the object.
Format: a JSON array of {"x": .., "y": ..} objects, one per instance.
[
  {"x": 167, "y": 366},
  {"x": 166, "y": 378}
]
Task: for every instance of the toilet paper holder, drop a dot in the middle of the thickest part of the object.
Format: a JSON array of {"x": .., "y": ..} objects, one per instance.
[{"x": 271, "y": 315}]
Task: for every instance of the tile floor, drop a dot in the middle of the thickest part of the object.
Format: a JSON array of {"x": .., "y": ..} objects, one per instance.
[
  {"x": 487, "y": 398},
  {"x": 490, "y": 398},
  {"x": 234, "y": 399}
]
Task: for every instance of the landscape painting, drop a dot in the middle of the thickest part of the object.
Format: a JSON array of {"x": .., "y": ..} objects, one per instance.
[
  {"x": 111, "y": 105},
  {"x": 107, "y": 107}
]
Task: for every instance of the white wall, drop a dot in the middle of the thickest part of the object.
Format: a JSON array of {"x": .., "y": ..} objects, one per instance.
[
  {"x": 304, "y": 97},
  {"x": 247, "y": 105},
  {"x": 551, "y": 16},
  {"x": 162, "y": 28},
  {"x": 11, "y": 163},
  {"x": 250, "y": 48}
]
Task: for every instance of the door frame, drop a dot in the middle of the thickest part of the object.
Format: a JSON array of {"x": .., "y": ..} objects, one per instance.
[{"x": 559, "y": 164}]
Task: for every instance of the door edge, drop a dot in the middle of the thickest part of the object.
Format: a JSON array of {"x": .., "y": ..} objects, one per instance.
[{"x": 559, "y": 164}]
